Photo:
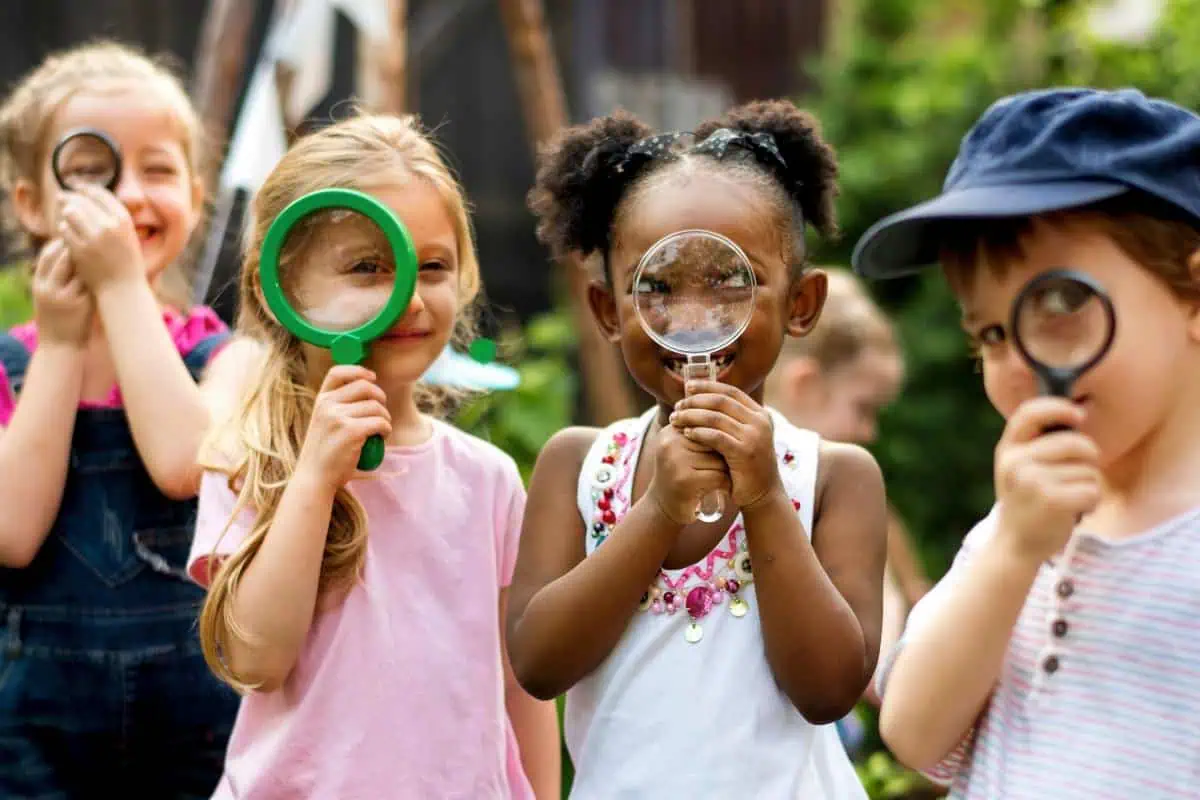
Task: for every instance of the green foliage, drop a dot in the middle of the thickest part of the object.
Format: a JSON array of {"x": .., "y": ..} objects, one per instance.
[
  {"x": 519, "y": 422},
  {"x": 15, "y": 303}
]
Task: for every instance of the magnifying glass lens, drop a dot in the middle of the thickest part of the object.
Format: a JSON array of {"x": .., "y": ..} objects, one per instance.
[
  {"x": 86, "y": 159},
  {"x": 337, "y": 269},
  {"x": 1063, "y": 324},
  {"x": 694, "y": 292}
]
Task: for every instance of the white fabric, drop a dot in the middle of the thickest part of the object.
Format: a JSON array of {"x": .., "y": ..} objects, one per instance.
[{"x": 665, "y": 718}]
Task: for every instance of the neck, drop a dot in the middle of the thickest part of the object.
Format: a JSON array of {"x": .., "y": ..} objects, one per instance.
[{"x": 409, "y": 425}]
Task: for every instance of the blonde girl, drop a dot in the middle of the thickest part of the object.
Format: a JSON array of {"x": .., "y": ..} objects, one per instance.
[
  {"x": 361, "y": 615},
  {"x": 102, "y": 682}
]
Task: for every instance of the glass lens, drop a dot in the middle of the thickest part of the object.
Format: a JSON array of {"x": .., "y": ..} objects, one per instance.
[
  {"x": 337, "y": 269},
  {"x": 1063, "y": 323},
  {"x": 84, "y": 159},
  {"x": 694, "y": 292}
]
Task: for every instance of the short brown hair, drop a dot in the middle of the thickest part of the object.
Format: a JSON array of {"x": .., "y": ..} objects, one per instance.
[{"x": 1156, "y": 235}]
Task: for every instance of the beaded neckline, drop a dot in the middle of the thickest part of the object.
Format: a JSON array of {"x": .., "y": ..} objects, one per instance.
[{"x": 720, "y": 579}]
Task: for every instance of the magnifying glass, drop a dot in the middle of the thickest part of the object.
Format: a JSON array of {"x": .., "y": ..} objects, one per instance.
[
  {"x": 1062, "y": 324},
  {"x": 338, "y": 270},
  {"x": 86, "y": 156},
  {"x": 694, "y": 295}
]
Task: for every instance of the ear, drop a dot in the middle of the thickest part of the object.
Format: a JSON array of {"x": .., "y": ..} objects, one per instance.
[
  {"x": 27, "y": 203},
  {"x": 806, "y": 298},
  {"x": 1194, "y": 271},
  {"x": 604, "y": 310},
  {"x": 801, "y": 380}
]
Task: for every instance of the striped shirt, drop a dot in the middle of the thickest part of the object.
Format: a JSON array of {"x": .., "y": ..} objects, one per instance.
[{"x": 1099, "y": 693}]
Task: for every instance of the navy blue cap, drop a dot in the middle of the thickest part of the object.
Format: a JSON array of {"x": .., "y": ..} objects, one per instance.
[{"x": 1042, "y": 151}]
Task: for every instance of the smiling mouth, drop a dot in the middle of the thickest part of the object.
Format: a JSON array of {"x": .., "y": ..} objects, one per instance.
[
  {"x": 403, "y": 335},
  {"x": 676, "y": 364},
  {"x": 147, "y": 233}
]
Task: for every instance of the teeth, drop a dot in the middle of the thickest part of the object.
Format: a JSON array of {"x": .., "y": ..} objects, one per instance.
[{"x": 676, "y": 365}]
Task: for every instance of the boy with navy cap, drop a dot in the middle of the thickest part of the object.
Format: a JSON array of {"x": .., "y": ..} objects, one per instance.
[{"x": 1059, "y": 657}]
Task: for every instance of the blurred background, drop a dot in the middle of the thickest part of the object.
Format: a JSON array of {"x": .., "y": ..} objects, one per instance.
[{"x": 894, "y": 82}]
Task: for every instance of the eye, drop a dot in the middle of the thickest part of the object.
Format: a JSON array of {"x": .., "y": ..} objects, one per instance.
[
  {"x": 652, "y": 286},
  {"x": 434, "y": 265},
  {"x": 367, "y": 267},
  {"x": 991, "y": 336}
]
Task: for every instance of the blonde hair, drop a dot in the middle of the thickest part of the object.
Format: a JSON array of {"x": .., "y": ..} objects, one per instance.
[
  {"x": 266, "y": 433},
  {"x": 26, "y": 114},
  {"x": 850, "y": 323}
]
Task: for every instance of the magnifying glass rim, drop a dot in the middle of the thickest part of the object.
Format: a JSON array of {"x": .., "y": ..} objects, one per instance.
[
  {"x": 1060, "y": 275},
  {"x": 663, "y": 242},
  {"x": 95, "y": 133},
  {"x": 404, "y": 252}
]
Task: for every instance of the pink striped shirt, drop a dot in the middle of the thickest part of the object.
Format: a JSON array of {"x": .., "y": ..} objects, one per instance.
[{"x": 1099, "y": 693}]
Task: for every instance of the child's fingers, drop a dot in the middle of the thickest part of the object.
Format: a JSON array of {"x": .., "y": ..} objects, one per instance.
[
  {"x": 61, "y": 270},
  {"x": 365, "y": 409},
  {"x": 357, "y": 390},
  {"x": 705, "y": 418},
  {"x": 47, "y": 257},
  {"x": 341, "y": 374},
  {"x": 1034, "y": 417},
  {"x": 1063, "y": 447}
]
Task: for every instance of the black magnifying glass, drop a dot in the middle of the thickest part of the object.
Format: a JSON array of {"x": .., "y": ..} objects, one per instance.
[
  {"x": 86, "y": 156},
  {"x": 1062, "y": 324}
]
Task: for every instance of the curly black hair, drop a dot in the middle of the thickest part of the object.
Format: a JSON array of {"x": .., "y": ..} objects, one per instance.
[{"x": 579, "y": 188}]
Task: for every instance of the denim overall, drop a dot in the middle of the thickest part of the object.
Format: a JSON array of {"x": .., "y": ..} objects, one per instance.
[{"x": 103, "y": 689}]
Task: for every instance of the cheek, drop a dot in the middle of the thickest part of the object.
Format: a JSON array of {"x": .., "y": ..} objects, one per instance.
[
  {"x": 174, "y": 203},
  {"x": 1004, "y": 387}
]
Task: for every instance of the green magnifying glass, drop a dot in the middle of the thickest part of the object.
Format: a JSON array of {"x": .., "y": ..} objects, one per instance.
[{"x": 338, "y": 270}]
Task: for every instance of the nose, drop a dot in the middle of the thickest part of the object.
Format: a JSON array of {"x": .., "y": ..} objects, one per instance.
[
  {"x": 415, "y": 306},
  {"x": 130, "y": 190}
]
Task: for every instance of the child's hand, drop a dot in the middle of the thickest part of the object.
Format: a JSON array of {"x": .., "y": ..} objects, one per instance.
[
  {"x": 1045, "y": 481},
  {"x": 100, "y": 236},
  {"x": 349, "y": 408},
  {"x": 684, "y": 472},
  {"x": 61, "y": 304},
  {"x": 726, "y": 419}
]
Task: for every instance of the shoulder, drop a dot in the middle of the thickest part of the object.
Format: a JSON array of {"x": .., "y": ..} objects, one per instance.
[
  {"x": 567, "y": 449},
  {"x": 846, "y": 463},
  {"x": 483, "y": 457}
]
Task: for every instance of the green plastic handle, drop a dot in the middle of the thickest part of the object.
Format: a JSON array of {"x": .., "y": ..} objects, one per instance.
[
  {"x": 346, "y": 347},
  {"x": 372, "y": 453}
]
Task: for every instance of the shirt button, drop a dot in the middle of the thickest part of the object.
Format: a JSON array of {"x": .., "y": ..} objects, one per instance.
[
  {"x": 1065, "y": 588},
  {"x": 1050, "y": 665},
  {"x": 1060, "y": 628}
]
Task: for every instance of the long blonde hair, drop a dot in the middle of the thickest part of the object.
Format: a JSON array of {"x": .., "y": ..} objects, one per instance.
[
  {"x": 26, "y": 114},
  {"x": 258, "y": 447}
]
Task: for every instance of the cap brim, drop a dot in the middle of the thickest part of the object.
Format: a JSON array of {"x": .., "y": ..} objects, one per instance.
[
  {"x": 463, "y": 372},
  {"x": 907, "y": 241}
]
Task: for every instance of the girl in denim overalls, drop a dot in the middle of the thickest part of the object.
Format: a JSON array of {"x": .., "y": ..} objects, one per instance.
[{"x": 102, "y": 683}]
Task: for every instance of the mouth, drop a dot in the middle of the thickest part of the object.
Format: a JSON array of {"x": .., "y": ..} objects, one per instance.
[
  {"x": 403, "y": 336},
  {"x": 676, "y": 364},
  {"x": 148, "y": 233}
]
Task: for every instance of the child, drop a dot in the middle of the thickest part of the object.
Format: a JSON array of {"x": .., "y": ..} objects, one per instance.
[
  {"x": 102, "y": 682},
  {"x": 788, "y": 646},
  {"x": 1037, "y": 668},
  {"x": 834, "y": 382},
  {"x": 361, "y": 614}
]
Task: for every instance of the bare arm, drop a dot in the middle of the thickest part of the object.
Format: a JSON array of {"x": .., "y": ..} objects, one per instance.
[
  {"x": 535, "y": 724},
  {"x": 942, "y": 679},
  {"x": 164, "y": 405},
  {"x": 277, "y": 597},
  {"x": 555, "y": 586},
  {"x": 226, "y": 377},
  {"x": 820, "y": 604},
  {"x": 35, "y": 451}
]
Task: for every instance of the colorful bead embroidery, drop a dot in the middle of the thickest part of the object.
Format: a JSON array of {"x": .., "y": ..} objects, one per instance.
[{"x": 682, "y": 593}]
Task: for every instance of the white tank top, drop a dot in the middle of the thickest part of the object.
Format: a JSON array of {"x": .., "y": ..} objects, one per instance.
[{"x": 686, "y": 705}]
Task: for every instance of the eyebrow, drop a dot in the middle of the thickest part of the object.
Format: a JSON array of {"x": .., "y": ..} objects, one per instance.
[{"x": 438, "y": 248}]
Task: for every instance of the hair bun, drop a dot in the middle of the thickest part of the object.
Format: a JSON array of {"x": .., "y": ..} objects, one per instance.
[
  {"x": 811, "y": 162},
  {"x": 577, "y": 188}
]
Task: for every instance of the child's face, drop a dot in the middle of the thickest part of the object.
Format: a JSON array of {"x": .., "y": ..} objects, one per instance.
[
  {"x": 345, "y": 274},
  {"x": 783, "y": 304},
  {"x": 157, "y": 184},
  {"x": 1153, "y": 360},
  {"x": 843, "y": 404}
]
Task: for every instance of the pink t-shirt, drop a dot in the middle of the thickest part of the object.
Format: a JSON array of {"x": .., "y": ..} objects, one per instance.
[
  {"x": 186, "y": 331},
  {"x": 399, "y": 690}
]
